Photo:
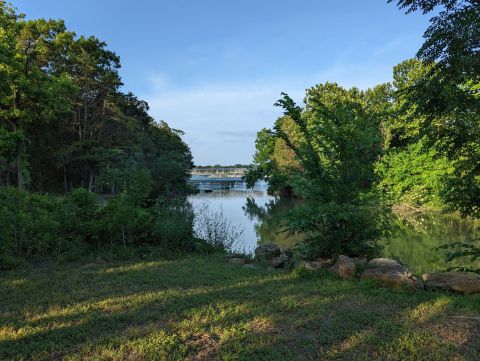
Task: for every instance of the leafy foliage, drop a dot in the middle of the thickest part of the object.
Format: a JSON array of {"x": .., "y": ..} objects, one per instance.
[
  {"x": 463, "y": 251},
  {"x": 42, "y": 226},
  {"x": 63, "y": 121},
  {"x": 173, "y": 224},
  {"x": 413, "y": 175},
  {"x": 65, "y": 127},
  {"x": 333, "y": 143},
  {"x": 447, "y": 98},
  {"x": 340, "y": 228}
]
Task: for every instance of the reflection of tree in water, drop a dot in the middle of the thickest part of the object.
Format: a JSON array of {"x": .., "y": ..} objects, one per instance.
[
  {"x": 271, "y": 220},
  {"x": 417, "y": 236}
]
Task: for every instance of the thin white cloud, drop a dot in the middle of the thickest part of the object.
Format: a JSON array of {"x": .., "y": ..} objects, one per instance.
[
  {"x": 158, "y": 81},
  {"x": 391, "y": 47},
  {"x": 218, "y": 113}
]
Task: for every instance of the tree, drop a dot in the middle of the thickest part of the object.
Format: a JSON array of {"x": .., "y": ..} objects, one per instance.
[
  {"x": 335, "y": 140},
  {"x": 274, "y": 161},
  {"x": 453, "y": 37},
  {"x": 448, "y": 98},
  {"x": 31, "y": 98}
]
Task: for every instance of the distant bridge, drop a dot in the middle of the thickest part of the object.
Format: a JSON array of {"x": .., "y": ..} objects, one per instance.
[
  {"x": 209, "y": 183},
  {"x": 219, "y": 172}
]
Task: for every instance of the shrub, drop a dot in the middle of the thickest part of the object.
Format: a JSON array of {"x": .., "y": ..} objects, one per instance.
[
  {"x": 123, "y": 222},
  {"x": 334, "y": 229},
  {"x": 173, "y": 223},
  {"x": 215, "y": 229},
  {"x": 30, "y": 225},
  {"x": 42, "y": 225},
  {"x": 414, "y": 175},
  {"x": 464, "y": 252},
  {"x": 79, "y": 216}
]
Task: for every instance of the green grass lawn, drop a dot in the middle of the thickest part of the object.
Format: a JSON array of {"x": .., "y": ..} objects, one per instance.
[{"x": 203, "y": 308}]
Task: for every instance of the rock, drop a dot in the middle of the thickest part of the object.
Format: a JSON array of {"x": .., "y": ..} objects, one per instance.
[
  {"x": 344, "y": 267},
  {"x": 279, "y": 262},
  {"x": 395, "y": 277},
  {"x": 238, "y": 260},
  {"x": 267, "y": 251},
  {"x": 249, "y": 265},
  {"x": 384, "y": 262},
  {"x": 319, "y": 263},
  {"x": 463, "y": 282},
  {"x": 360, "y": 262}
]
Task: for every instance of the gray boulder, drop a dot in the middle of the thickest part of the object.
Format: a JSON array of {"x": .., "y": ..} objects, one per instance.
[
  {"x": 393, "y": 276},
  {"x": 267, "y": 251},
  {"x": 360, "y": 261},
  {"x": 318, "y": 263},
  {"x": 279, "y": 262},
  {"x": 462, "y": 282},
  {"x": 344, "y": 267},
  {"x": 384, "y": 262}
]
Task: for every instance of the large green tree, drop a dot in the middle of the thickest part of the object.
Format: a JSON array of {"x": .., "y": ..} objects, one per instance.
[
  {"x": 334, "y": 142},
  {"x": 30, "y": 97},
  {"x": 446, "y": 101},
  {"x": 65, "y": 123}
]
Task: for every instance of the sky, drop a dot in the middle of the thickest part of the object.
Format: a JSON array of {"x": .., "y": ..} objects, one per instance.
[{"x": 214, "y": 68}]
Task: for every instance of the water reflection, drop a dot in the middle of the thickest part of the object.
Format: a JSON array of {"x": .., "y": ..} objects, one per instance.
[
  {"x": 418, "y": 235},
  {"x": 271, "y": 220},
  {"x": 414, "y": 240}
]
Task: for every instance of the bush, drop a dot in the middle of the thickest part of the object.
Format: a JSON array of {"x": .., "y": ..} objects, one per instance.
[
  {"x": 123, "y": 222},
  {"x": 173, "y": 223},
  {"x": 79, "y": 216},
  {"x": 42, "y": 225},
  {"x": 464, "y": 253},
  {"x": 339, "y": 229},
  {"x": 30, "y": 226},
  {"x": 414, "y": 176},
  {"x": 215, "y": 229}
]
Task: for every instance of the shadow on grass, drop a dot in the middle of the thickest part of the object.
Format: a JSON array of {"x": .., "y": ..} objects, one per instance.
[{"x": 202, "y": 308}]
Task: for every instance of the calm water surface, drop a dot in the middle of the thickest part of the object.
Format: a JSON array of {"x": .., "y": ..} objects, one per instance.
[{"x": 260, "y": 216}]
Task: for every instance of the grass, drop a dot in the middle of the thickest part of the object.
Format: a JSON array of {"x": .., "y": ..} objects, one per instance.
[{"x": 202, "y": 308}]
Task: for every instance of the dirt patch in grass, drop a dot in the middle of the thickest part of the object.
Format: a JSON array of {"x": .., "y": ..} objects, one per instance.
[{"x": 203, "y": 347}]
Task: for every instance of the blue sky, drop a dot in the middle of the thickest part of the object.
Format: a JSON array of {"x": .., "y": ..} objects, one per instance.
[{"x": 214, "y": 68}]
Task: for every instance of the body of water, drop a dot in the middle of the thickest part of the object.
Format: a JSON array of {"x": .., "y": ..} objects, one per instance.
[{"x": 261, "y": 218}]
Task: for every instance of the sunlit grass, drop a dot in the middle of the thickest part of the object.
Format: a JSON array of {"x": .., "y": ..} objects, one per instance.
[{"x": 204, "y": 308}]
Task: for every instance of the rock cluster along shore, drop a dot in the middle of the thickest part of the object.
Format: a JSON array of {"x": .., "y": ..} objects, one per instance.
[
  {"x": 385, "y": 271},
  {"x": 391, "y": 273}
]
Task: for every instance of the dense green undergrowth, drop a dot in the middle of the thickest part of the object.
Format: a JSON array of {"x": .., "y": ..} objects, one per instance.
[
  {"x": 203, "y": 308},
  {"x": 37, "y": 227}
]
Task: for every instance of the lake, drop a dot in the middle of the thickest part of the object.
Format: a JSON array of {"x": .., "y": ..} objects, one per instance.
[{"x": 260, "y": 216}]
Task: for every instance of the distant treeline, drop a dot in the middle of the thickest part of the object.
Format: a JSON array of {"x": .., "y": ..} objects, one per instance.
[{"x": 222, "y": 166}]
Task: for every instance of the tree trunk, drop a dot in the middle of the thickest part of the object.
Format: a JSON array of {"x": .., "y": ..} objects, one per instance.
[
  {"x": 20, "y": 176},
  {"x": 90, "y": 181},
  {"x": 19, "y": 148},
  {"x": 65, "y": 183}
]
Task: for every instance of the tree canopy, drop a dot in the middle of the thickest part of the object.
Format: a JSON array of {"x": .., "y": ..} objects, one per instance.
[{"x": 64, "y": 121}]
